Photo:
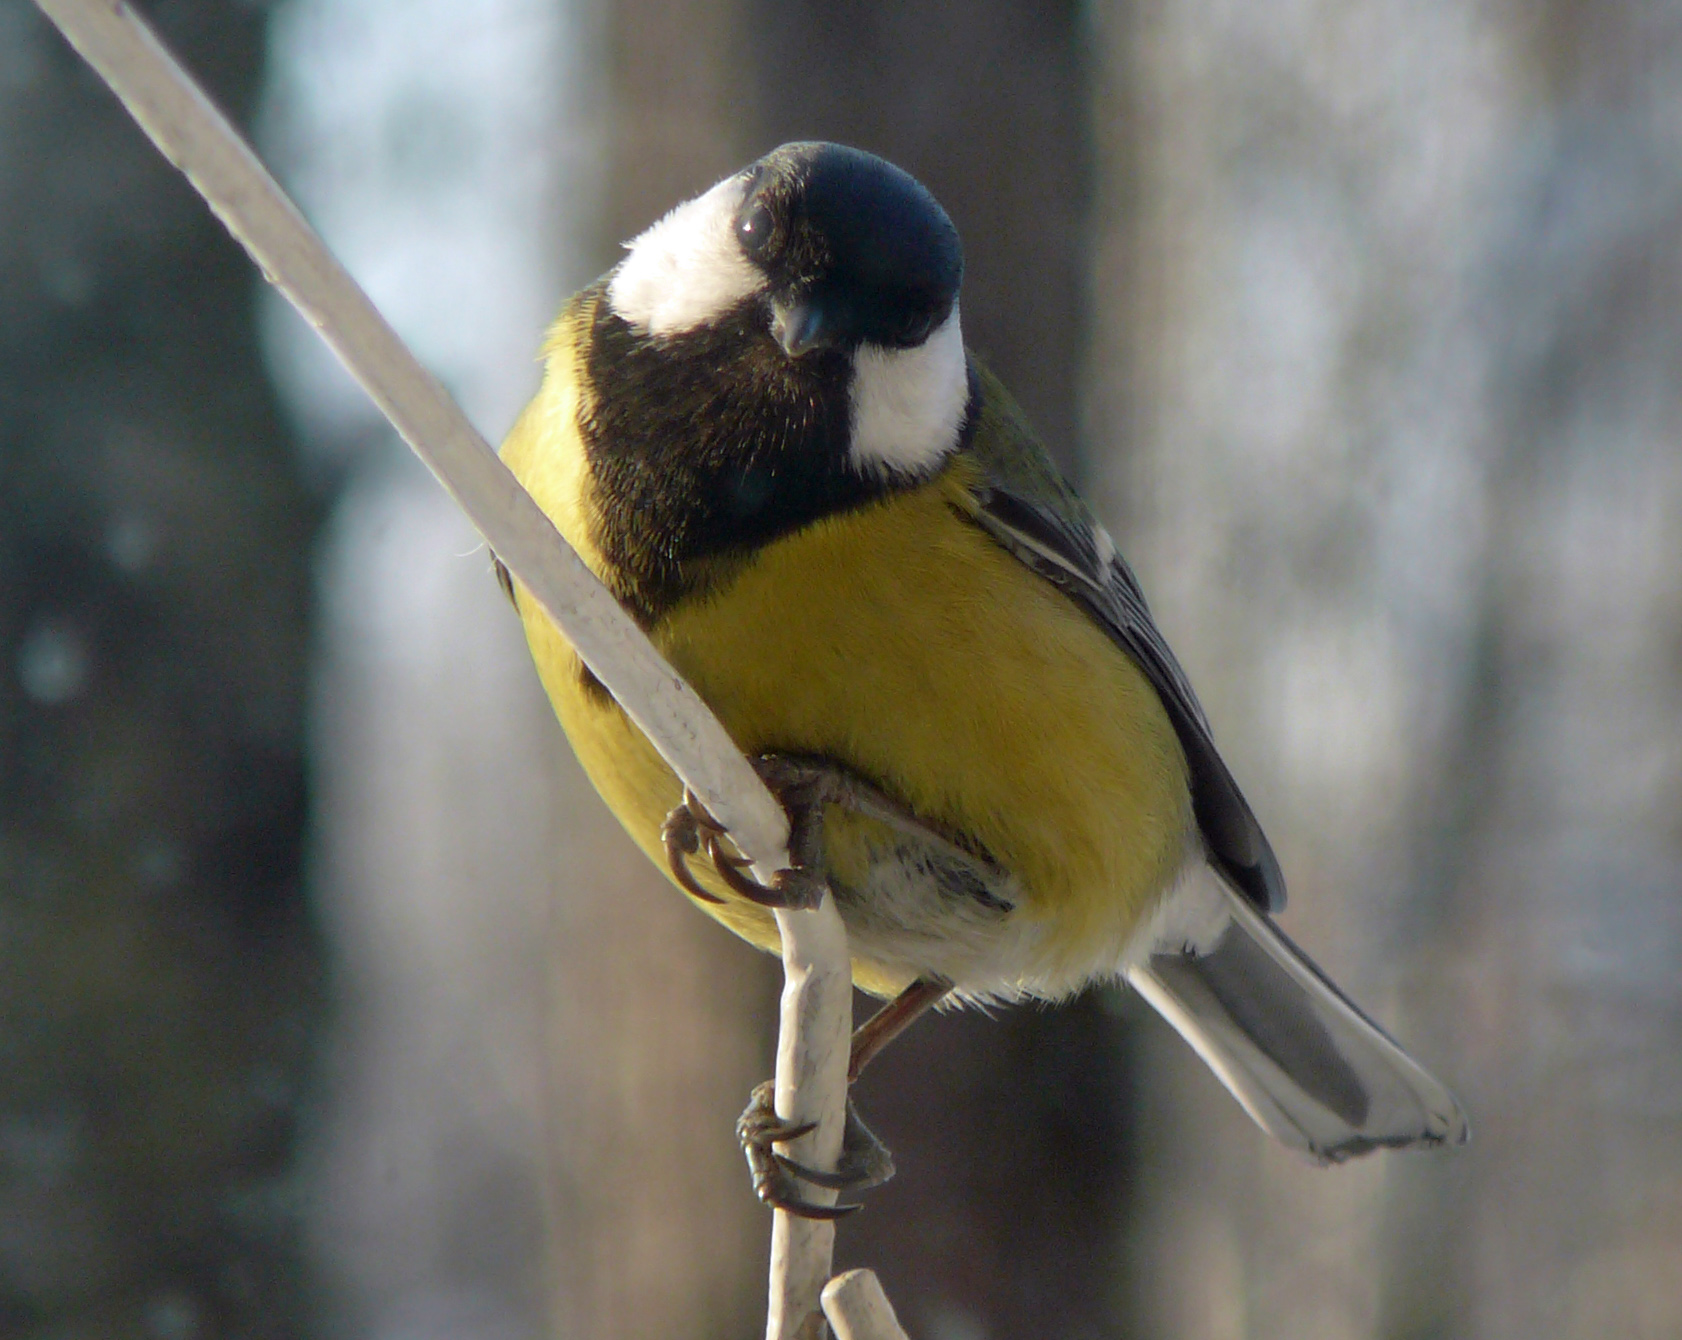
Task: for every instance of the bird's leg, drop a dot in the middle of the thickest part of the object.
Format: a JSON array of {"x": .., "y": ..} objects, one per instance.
[
  {"x": 865, "y": 1161},
  {"x": 812, "y": 783},
  {"x": 876, "y": 1032},
  {"x": 805, "y": 787}
]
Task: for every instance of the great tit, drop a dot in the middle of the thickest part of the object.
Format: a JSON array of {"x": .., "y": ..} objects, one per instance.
[{"x": 763, "y": 432}]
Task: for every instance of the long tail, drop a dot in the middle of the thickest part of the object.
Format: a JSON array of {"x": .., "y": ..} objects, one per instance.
[{"x": 1313, "y": 1071}]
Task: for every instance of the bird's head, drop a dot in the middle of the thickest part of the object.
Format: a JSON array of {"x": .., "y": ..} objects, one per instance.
[
  {"x": 853, "y": 250},
  {"x": 837, "y": 263}
]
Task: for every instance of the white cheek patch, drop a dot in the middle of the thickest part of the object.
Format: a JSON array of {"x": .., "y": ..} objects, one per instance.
[
  {"x": 688, "y": 269},
  {"x": 908, "y": 404}
]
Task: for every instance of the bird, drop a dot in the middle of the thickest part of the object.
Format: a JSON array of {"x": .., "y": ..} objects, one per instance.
[{"x": 763, "y": 431}]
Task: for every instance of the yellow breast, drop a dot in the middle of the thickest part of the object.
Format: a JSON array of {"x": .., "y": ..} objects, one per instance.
[{"x": 902, "y": 642}]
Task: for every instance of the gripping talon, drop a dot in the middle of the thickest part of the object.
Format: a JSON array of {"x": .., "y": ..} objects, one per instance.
[
  {"x": 805, "y": 1209},
  {"x": 865, "y": 1161},
  {"x": 681, "y": 836},
  {"x": 730, "y": 867},
  {"x": 793, "y": 890},
  {"x": 689, "y": 830}
]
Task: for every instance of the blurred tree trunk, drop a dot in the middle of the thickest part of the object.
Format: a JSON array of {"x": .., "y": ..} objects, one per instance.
[
  {"x": 422, "y": 139},
  {"x": 1011, "y": 1134},
  {"x": 1390, "y": 336},
  {"x": 542, "y": 1048},
  {"x": 159, "y": 977}
]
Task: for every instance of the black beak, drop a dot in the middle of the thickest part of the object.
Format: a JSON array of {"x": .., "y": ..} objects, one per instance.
[{"x": 801, "y": 326}]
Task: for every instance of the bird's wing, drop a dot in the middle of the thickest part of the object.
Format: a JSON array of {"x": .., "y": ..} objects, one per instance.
[
  {"x": 1025, "y": 504},
  {"x": 1313, "y": 1071}
]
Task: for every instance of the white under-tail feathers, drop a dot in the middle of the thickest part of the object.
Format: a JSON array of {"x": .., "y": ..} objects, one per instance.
[{"x": 1313, "y": 1071}]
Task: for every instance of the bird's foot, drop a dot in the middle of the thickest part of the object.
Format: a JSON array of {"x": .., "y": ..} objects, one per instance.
[
  {"x": 690, "y": 830},
  {"x": 865, "y": 1161},
  {"x": 804, "y": 786}
]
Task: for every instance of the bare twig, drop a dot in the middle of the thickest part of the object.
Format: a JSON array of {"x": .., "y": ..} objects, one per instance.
[
  {"x": 192, "y": 134},
  {"x": 812, "y": 1046},
  {"x": 858, "y": 1309}
]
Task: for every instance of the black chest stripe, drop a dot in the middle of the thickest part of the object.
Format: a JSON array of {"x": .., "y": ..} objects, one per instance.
[{"x": 710, "y": 444}]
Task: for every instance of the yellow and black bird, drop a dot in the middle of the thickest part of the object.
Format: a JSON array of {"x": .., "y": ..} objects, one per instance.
[{"x": 763, "y": 432}]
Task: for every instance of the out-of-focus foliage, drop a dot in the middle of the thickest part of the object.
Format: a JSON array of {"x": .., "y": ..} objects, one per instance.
[{"x": 159, "y": 982}]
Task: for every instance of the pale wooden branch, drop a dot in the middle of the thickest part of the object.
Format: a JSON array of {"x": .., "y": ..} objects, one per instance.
[
  {"x": 858, "y": 1309},
  {"x": 812, "y": 1047}
]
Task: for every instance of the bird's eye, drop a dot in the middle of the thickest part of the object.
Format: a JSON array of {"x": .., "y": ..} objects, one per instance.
[
  {"x": 753, "y": 228},
  {"x": 913, "y": 330},
  {"x": 904, "y": 330}
]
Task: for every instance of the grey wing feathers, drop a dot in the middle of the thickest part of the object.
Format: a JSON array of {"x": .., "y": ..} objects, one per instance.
[
  {"x": 1057, "y": 538},
  {"x": 1307, "y": 1065}
]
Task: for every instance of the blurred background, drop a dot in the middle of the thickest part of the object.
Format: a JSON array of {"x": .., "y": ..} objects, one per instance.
[{"x": 333, "y": 1004}]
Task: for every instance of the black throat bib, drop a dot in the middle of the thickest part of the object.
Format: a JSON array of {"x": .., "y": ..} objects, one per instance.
[{"x": 709, "y": 443}]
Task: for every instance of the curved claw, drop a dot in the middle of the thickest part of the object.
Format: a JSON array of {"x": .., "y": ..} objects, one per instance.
[
  {"x": 842, "y": 1179},
  {"x": 689, "y": 830},
  {"x": 730, "y": 867},
  {"x": 680, "y": 835},
  {"x": 865, "y": 1161},
  {"x": 793, "y": 890},
  {"x": 760, "y": 1124},
  {"x": 806, "y": 1209}
]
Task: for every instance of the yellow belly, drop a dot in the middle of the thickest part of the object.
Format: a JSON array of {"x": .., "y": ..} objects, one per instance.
[{"x": 903, "y": 643}]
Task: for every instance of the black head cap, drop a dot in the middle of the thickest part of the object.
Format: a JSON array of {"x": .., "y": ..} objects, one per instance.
[{"x": 855, "y": 249}]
